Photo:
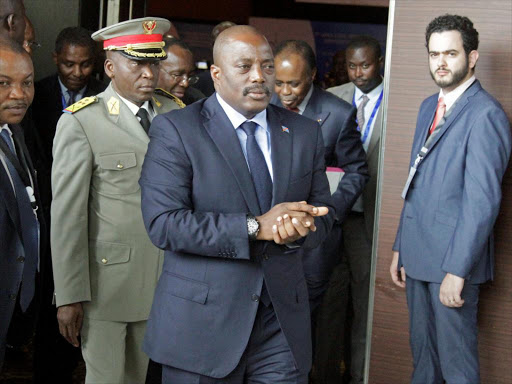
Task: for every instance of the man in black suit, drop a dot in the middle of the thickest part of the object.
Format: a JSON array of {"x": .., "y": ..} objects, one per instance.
[
  {"x": 74, "y": 57},
  {"x": 20, "y": 221},
  {"x": 295, "y": 72}
]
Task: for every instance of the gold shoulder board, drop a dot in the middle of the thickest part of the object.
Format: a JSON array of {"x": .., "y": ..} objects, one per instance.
[
  {"x": 177, "y": 100},
  {"x": 82, "y": 103}
]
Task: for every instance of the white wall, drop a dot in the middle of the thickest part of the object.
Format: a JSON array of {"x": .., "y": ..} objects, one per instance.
[{"x": 49, "y": 18}]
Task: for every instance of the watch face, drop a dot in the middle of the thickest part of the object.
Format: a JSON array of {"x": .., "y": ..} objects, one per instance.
[{"x": 252, "y": 227}]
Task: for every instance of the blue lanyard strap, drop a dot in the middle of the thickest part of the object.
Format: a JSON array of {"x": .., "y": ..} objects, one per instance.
[{"x": 366, "y": 131}]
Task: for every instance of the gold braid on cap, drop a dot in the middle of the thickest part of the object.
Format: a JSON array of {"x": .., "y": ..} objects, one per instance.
[{"x": 131, "y": 49}]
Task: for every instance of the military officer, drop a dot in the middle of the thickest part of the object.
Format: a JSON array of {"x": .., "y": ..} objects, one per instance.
[{"x": 105, "y": 267}]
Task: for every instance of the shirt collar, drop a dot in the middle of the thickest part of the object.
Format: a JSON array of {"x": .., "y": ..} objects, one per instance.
[
  {"x": 451, "y": 97},
  {"x": 372, "y": 95},
  {"x": 302, "y": 106},
  {"x": 237, "y": 119},
  {"x": 5, "y": 126},
  {"x": 64, "y": 90},
  {"x": 133, "y": 107}
]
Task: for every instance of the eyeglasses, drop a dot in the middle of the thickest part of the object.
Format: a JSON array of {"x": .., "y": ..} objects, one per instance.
[
  {"x": 31, "y": 44},
  {"x": 179, "y": 78}
]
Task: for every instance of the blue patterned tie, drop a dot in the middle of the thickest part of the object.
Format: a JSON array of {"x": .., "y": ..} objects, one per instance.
[
  {"x": 258, "y": 167},
  {"x": 29, "y": 230}
]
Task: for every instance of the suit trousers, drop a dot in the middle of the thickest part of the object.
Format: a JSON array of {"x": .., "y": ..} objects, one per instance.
[
  {"x": 444, "y": 341},
  {"x": 113, "y": 352},
  {"x": 350, "y": 280},
  {"x": 267, "y": 358}
]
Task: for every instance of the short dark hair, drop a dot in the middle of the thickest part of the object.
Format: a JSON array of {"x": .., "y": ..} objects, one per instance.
[
  {"x": 12, "y": 46},
  {"x": 75, "y": 36},
  {"x": 364, "y": 41},
  {"x": 301, "y": 48},
  {"x": 169, "y": 42},
  {"x": 455, "y": 23}
]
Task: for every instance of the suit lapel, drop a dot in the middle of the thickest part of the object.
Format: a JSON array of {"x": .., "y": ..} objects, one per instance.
[
  {"x": 314, "y": 111},
  {"x": 221, "y": 131},
  {"x": 460, "y": 104},
  {"x": 281, "y": 145},
  {"x": 7, "y": 195},
  {"x": 375, "y": 133}
]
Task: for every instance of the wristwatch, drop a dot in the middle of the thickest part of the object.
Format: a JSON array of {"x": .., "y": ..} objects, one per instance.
[{"x": 253, "y": 227}]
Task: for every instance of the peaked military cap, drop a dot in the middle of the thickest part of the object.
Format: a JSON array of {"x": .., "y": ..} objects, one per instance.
[{"x": 138, "y": 39}]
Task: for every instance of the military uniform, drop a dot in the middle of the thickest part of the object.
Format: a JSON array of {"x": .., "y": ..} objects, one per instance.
[{"x": 102, "y": 255}]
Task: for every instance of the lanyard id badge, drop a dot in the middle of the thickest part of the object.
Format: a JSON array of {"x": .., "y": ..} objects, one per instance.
[{"x": 412, "y": 171}]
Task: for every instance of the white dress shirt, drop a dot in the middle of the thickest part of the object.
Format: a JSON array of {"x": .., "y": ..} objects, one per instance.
[
  {"x": 134, "y": 108},
  {"x": 302, "y": 106},
  {"x": 373, "y": 97},
  {"x": 262, "y": 133}
]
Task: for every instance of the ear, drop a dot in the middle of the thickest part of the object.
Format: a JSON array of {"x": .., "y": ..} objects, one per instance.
[
  {"x": 472, "y": 59},
  {"x": 313, "y": 74},
  {"x": 216, "y": 73},
  {"x": 109, "y": 67},
  {"x": 381, "y": 62},
  {"x": 11, "y": 22}
]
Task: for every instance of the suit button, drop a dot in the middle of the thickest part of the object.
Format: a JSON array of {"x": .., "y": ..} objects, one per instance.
[
  {"x": 20, "y": 259},
  {"x": 255, "y": 297},
  {"x": 12, "y": 296},
  {"x": 104, "y": 261},
  {"x": 265, "y": 256},
  {"x": 120, "y": 165}
]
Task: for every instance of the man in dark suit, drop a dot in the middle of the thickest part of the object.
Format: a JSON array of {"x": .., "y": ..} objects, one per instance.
[
  {"x": 452, "y": 197},
  {"x": 225, "y": 183},
  {"x": 295, "y": 73},
  {"x": 19, "y": 219},
  {"x": 74, "y": 58},
  {"x": 350, "y": 282},
  {"x": 177, "y": 72}
]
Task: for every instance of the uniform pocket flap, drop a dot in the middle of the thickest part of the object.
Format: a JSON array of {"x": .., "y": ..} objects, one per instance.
[
  {"x": 185, "y": 288},
  {"x": 110, "y": 253},
  {"x": 117, "y": 161}
]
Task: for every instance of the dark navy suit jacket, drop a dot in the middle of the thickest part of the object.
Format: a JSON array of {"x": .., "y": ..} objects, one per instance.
[
  {"x": 196, "y": 192},
  {"x": 343, "y": 147},
  {"x": 449, "y": 212},
  {"x": 13, "y": 246}
]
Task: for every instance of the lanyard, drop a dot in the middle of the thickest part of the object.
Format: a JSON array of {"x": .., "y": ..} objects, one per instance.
[{"x": 366, "y": 131}]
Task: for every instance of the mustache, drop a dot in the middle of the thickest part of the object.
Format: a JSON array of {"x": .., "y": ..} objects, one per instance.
[
  {"x": 15, "y": 105},
  {"x": 256, "y": 87}
]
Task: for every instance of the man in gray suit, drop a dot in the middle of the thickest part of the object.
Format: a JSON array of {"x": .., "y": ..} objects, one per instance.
[
  {"x": 352, "y": 276},
  {"x": 105, "y": 267}
]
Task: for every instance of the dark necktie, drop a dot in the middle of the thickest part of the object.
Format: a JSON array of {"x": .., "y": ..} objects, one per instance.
[
  {"x": 143, "y": 115},
  {"x": 258, "y": 167},
  {"x": 29, "y": 230},
  {"x": 72, "y": 97}
]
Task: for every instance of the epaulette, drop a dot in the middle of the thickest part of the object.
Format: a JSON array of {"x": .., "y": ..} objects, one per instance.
[
  {"x": 82, "y": 103},
  {"x": 177, "y": 100}
]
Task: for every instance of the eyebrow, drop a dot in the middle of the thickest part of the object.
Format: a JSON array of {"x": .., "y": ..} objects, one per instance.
[{"x": 447, "y": 51}]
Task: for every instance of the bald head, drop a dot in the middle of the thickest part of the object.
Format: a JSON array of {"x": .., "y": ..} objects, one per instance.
[
  {"x": 243, "y": 69},
  {"x": 231, "y": 36},
  {"x": 12, "y": 19}
]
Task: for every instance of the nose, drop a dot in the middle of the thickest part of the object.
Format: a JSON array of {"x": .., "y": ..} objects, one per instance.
[
  {"x": 147, "y": 72},
  {"x": 77, "y": 71},
  {"x": 359, "y": 71},
  {"x": 441, "y": 62},
  {"x": 286, "y": 89},
  {"x": 17, "y": 92},
  {"x": 257, "y": 74}
]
